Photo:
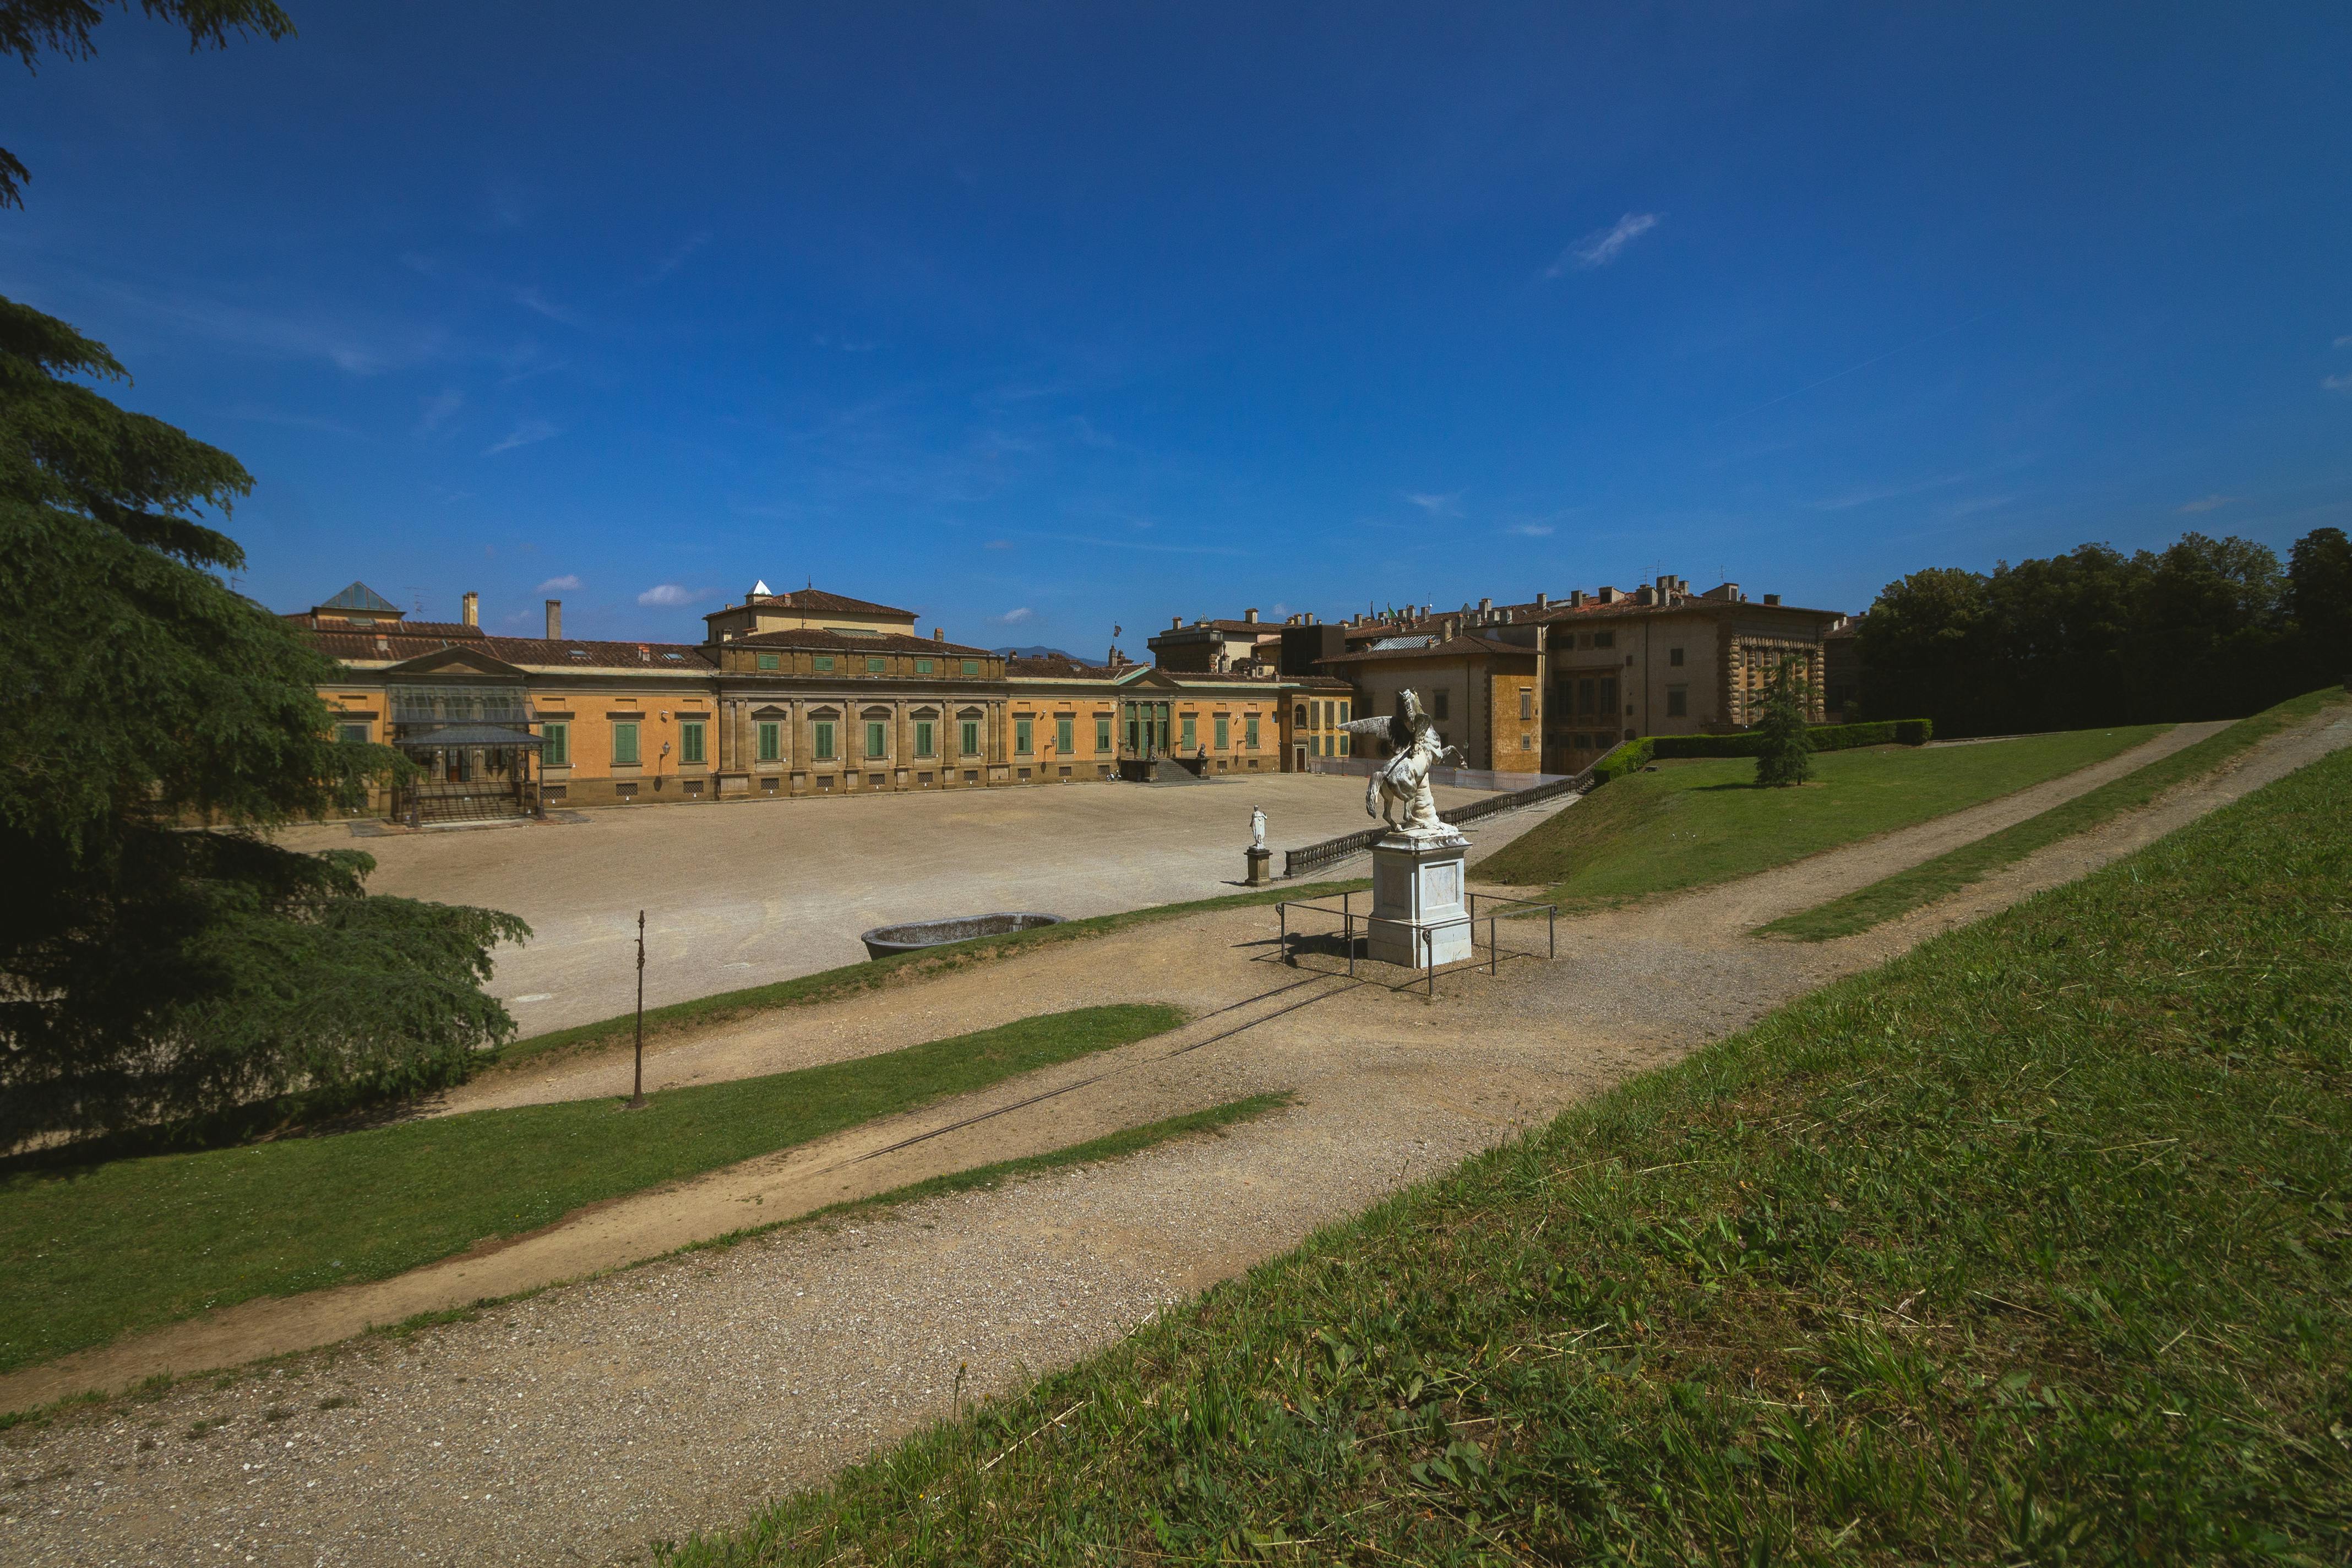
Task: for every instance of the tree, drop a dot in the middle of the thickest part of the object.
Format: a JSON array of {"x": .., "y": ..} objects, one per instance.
[
  {"x": 28, "y": 28},
  {"x": 1787, "y": 757},
  {"x": 160, "y": 958},
  {"x": 2319, "y": 598}
]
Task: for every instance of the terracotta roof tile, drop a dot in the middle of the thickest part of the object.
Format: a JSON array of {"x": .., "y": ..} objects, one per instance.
[
  {"x": 819, "y": 600},
  {"x": 886, "y": 642}
]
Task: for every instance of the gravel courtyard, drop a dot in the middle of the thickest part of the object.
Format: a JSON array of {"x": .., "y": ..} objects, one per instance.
[{"x": 745, "y": 893}]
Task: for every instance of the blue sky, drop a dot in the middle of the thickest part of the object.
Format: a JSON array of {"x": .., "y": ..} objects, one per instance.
[{"x": 1039, "y": 318}]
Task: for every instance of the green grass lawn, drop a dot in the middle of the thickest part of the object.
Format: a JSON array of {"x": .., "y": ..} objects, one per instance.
[
  {"x": 104, "y": 1250},
  {"x": 1695, "y": 822},
  {"x": 2033, "y": 1245},
  {"x": 1948, "y": 873}
]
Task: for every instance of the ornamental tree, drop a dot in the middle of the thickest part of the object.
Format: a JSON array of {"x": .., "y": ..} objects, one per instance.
[{"x": 1787, "y": 757}]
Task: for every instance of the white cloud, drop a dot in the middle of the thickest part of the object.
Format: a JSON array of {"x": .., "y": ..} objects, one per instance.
[
  {"x": 567, "y": 581},
  {"x": 1534, "y": 530},
  {"x": 677, "y": 256},
  {"x": 1436, "y": 505},
  {"x": 2206, "y": 503},
  {"x": 670, "y": 596},
  {"x": 523, "y": 435},
  {"x": 2345, "y": 341},
  {"x": 530, "y": 298},
  {"x": 2339, "y": 383},
  {"x": 1014, "y": 618},
  {"x": 438, "y": 410},
  {"x": 998, "y": 545},
  {"x": 1603, "y": 245}
]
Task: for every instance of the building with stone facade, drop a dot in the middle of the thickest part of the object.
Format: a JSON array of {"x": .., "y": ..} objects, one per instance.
[{"x": 805, "y": 693}]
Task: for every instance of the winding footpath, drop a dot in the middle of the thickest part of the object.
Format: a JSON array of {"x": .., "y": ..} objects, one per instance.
[{"x": 585, "y": 1422}]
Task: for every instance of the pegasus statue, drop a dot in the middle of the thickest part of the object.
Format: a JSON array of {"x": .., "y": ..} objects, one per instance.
[{"x": 1403, "y": 781}]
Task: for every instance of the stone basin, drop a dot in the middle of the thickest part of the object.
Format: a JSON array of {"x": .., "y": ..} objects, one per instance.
[{"x": 915, "y": 935}]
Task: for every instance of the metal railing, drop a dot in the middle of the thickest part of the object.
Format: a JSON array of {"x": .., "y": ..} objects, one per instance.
[
  {"x": 1294, "y": 861},
  {"x": 1426, "y": 933}
]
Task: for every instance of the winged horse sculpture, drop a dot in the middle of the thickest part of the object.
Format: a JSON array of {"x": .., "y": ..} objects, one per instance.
[{"x": 1403, "y": 781}]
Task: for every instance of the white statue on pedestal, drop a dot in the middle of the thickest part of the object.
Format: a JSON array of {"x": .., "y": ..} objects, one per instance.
[
  {"x": 1403, "y": 779},
  {"x": 1258, "y": 827}
]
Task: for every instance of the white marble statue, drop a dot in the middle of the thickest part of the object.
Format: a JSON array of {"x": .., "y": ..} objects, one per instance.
[
  {"x": 1258, "y": 827},
  {"x": 1403, "y": 779}
]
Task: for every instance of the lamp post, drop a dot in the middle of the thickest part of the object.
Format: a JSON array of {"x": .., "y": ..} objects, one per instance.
[{"x": 637, "y": 1098}]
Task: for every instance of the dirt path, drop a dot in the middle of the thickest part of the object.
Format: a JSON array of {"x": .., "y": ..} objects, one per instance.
[{"x": 585, "y": 1422}]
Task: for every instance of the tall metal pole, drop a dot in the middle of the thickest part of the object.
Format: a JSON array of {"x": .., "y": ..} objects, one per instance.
[{"x": 637, "y": 1098}]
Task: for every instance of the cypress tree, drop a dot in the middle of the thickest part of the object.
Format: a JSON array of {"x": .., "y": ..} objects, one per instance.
[{"x": 1787, "y": 757}]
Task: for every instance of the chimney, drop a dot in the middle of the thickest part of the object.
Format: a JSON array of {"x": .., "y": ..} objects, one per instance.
[
  {"x": 1576, "y": 598},
  {"x": 1606, "y": 595},
  {"x": 1485, "y": 604},
  {"x": 1250, "y": 615},
  {"x": 1176, "y": 623},
  {"x": 554, "y": 620},
  {"x": 1648, "y": 594},
  {"x": 1771, "y": 598},
  {"x": 1543, "y": 601},
  {"x": 471, "y": 608},
  {"x": 939, "y": 634}
]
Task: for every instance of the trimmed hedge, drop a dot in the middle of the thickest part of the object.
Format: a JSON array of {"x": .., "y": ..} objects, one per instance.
[{"x": 1635, "y": 756}]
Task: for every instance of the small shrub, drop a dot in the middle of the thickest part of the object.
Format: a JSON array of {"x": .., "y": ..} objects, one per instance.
[{"x": 1785, "y": 752}]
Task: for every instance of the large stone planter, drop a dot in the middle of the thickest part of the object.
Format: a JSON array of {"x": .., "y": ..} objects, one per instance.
[{"x": 913, "y": 937}]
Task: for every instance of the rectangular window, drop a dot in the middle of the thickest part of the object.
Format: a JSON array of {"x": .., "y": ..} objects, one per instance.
[
  {"x": 354, "y": 733},
  {"x": 1024, "y": 735},
  {"x": 1604, "y": 639},
  {"x": 971, "y": 667},
  {"x": 1609, "y": 697},
  {"x": 1314, "y": 745},
  {"x": 1674, "y": 656},
  {"x": 1102, "y": 735},
  {"x": 972, "y": 737},
  {"x": 878, "y": 739},
  {"x": 555, "y": 745},
  {"x": 1224, "y": 733},
  {"x": 1343, "y": 712},
  {"x": 1343, "y": 743},
  {"x": 1584, "y": 697},
  {"x": 625, "y": 744},
  {"x": 1249, "y": 731},
  {"x": 1064, "y": 737},
  {"x": 1527, "y": 703},
  {"x": 1677, "y": 701},
  {"x": 825, "y": 664},
  {"x": 771, "y": 661},
  {"x": 922, "y": 666},
  {"x": 771, "y": 742},
  {"x": 923, "y": 738},
  {"x": 1186, "y": 728},
  {"x": 689, "y": 743},
  {"x": 873, "y": 663},
  {"x": 1438, "y": 703},
  {"x": 825, "y": 752}
]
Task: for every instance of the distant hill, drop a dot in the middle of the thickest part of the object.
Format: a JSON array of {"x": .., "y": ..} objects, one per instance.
[{"x": 1038, "y": 651}]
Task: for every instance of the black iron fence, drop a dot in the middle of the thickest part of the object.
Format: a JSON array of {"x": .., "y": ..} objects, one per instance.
[{"x": 1330, "y": 850}]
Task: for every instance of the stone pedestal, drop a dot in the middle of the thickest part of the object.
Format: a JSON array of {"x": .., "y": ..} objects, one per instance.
[
  {"x": 1260, "y": 862},
  {"x": 1418, "y": 916}
]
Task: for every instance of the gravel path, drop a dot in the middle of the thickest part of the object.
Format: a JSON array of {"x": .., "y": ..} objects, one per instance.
[{"x": 583, "y": 1423}]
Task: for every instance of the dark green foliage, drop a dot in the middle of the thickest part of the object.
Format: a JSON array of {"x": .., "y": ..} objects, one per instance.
[
  {"x": 29, "y": 28},
  {"x": 1630, "y": 757},
  {"x": 1818, "y": 737},
  {"x": 2030, "y": 1247},
  {"x": 2206, "y": 628},
  {"x": 1784, "y": 755},
  {"x": 152, "y": 970}
]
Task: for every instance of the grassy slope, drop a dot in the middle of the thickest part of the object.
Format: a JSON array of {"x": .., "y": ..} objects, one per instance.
[
  {"x": 1948, "y": 873},
  {"x": 1693, "y": 823},
  {"x": 101, "y": 1251},
  {"x": 850, "y": 979},
  {"x": 2032, "y": 1246}
]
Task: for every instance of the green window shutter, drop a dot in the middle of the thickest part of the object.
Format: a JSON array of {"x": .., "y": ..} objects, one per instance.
[
  {"x": 771, "y": 661},
  {"x": 771, "y": 743},
  {"x": 922, "y": 738},
  {"x": 971, "y": 667},
  {"x": 824, "y": 741},
  {"x": 1189, "y": 742},
  {"x": 1224, "y": 734},
  {"x": 1249, "y": 731},
  {"x": 1024, "y": 735},
  {"x": 1343, "y": 743},
  {"x": 555, "y": 745},
  {"x": 972, "y": 737},
  {"x": 922, "y": 666},
  {"x": 1343, "y": 712},
  {"x": 625, "y": 744},
  {"x": 876, "y": 740},
  {"x": 825, "y": 663},
  {"x": 1102, "y": 734},
  {"x": 1063, "y": 739},
  {"x": 873, "y": 663},
  {"x": 689, "y": 743}
]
